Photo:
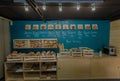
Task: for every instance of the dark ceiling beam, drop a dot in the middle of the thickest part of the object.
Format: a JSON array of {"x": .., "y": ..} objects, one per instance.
[
  {"x": 35, "y": 8},
  {"x": 114, "y": 14},
  {"x": 115, "y": 18},
  {"x": 15, "y": 14}
]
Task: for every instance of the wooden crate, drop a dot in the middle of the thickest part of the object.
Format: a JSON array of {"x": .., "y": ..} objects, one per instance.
[
  {"x": 14, "y": 58},
  {"x": 31, "y": 58}
]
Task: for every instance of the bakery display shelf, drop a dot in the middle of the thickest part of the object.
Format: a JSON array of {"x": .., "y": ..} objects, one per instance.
[
  {"x": 49, "y": 70},
  {"x": 32, "y": 75},
  {"x": 32, "y": 78},
  {"x": 48, "y": 76},
  {"x": 48, "y": 67},
  {"x": 76, "y": 54},
  {"x": 14, "y": 76},
  {"x": 65, "y": 54},
  {"x": 49, "y": 47},
  {"x": 35, "y": 43},
  {"x": 15, "y": 70},
  {"x": 14, "y": 67},
  {"x": 32, "y": 70},
  {"x": 14, "y": 58},
  {"x": 88, "y": 53},
  {"x": 12, "y": 62},
  {"x": 32, "y": 66},
  {"x": 14, "y": 79},
  {"x": 31, "y": 58},
  {"x": 22, "y": 43},
  {"x": 42, "y": 47},
  {"x": 31, "y": 61},
  {"x": 48, "y": 60}
]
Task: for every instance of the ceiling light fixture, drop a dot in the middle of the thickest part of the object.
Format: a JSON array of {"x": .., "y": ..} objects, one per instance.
[
  {"x": 93, "y": 8},
  {"x": 44, "y": 7},
  {"x": 78, "y": 6},
  {"x": 26, "y": 7},
  {"x": 60, "y": 7}
]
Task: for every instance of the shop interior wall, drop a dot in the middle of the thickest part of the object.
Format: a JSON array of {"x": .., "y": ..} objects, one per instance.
[
  {"x": 95, "y": 39},
  {"x": 115, "y": 35},
  {"x": 4, "y": 43}
]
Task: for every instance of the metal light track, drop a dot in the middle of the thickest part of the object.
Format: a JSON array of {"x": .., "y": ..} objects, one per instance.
[
  {"x": 19, "y": 1},
  {"x": 35, "y": 8}
]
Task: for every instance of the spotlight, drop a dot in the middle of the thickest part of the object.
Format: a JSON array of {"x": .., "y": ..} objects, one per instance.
[
  {"x": 93, "y": 8},
  {"x": 78, "y": 6},
  {"x": 26, "y": 8},
  {"x": 60, "y": 7},
  {"x": 44, "y": 7}
]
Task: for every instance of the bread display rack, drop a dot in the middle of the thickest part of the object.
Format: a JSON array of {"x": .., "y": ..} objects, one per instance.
[
  {"x": 88, "y": 52},
  {"x": 76, "y": 52},
  {"x": 25, "y": 67},
  {"x": 65, "y": 53},
  {"x": 35, "y": 43}
]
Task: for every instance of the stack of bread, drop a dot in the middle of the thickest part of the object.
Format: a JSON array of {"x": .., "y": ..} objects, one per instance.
[{"x": 48, "y": 54}]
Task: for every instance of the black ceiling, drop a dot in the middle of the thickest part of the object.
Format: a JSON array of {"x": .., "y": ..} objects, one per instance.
[{"x": 108, "y": 10}]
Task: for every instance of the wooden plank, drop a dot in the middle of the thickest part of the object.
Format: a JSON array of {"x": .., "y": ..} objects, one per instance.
[
  {"x": 73, "y": 68},
  {"x": 115, "y": 35},
  {"x": 104, "y": 68}
]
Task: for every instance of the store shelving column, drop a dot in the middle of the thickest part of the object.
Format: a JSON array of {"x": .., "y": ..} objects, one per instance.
[
  {"x": 48, "y": 68},
  {"x": 13, "y": 71},
  {"x": 31, "y": 67}
]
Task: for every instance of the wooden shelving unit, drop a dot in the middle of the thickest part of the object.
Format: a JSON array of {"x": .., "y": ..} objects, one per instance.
[
  {"x": 35, "y": 43},
  {"x": 14, "y": 71},
  {"x": 32, "y": 68}
]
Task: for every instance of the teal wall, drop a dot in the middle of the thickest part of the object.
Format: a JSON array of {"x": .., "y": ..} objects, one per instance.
[{"x": 94, "y": 39}]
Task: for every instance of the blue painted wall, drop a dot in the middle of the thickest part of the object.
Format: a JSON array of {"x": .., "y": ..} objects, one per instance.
[{"x": 94, "y": 39}]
